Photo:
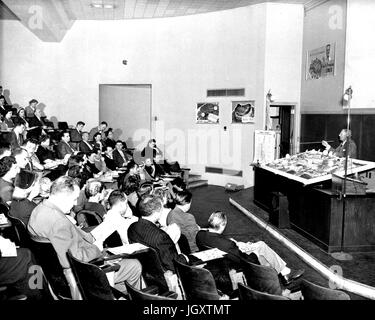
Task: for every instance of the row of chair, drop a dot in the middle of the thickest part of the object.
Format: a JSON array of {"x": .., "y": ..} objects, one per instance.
[{"x": 197, "y": 283}]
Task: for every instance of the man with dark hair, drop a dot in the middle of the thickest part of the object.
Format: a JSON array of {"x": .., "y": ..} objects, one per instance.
[
  {"x": 76, "y": 134},
  {"x": 108, "y": 158},
  {"x": 118, "y": 218},
  {"x": 30, "y": 109},
  {"x": 254, "y": 252},
  {"x": 109, "y": 138},
  {"x": 31, "y": 145},
  {"x": 49, "y": 223},
  {"x": 22, "y": 159},
  {"x": 146, "y": 231},
  {"x": 8, "y": 172},
  {"x": 64, "y": 148},
  {"x": 120, "y": 157},
  {"x": 101, "y": 129},
  {"x": 3, "y": 106},
  {"x": 184, "y": 219},
  {"x": 17, "y": 135}
]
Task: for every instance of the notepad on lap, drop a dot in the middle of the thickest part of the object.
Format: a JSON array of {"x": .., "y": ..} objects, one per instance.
[
  {"x": 127, "y": 248},
  {"x": 210, "y": 254}
]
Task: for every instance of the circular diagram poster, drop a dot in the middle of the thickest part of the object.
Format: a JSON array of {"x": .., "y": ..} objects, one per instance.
[{"x": 208, "y": 112}]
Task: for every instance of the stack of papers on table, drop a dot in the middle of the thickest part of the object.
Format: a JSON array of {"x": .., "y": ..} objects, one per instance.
[
  {"x": 210, "y": 254},
  {"x": 127, "y": 248}
]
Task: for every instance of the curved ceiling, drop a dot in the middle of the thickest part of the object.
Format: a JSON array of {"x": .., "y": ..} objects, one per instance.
[{"x": 59, "y": 15}]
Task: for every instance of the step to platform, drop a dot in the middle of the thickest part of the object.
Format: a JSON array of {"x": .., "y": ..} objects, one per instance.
[{"x": 198, "y": 183}]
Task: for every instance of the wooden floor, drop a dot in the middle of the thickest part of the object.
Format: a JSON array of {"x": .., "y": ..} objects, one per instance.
[{"x": 211, "y": 198}]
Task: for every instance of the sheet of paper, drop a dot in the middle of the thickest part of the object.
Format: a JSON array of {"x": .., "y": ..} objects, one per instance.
[
  {"x": 127, "y": 248},
  {"x": 3, "y": 219},
  {"x": 210, "y": 254}
]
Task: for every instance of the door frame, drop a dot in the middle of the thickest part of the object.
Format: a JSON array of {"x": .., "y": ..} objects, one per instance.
[{"x": 145, "y": 85}]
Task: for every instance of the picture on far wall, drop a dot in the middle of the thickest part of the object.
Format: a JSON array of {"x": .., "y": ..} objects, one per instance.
[
  {"x": 208, "y": 112},
  {"x": 321, "y": 62},
  {"x": 243, "y": 111}
]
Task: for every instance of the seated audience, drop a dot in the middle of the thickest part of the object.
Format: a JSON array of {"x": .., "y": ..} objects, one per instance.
[
  {"x": 109, "y": 138},
  {"x": 26, "y": 188},
  {"x": 101, "y": 129},
  {"x": 108, "y": 158},
  {"x": 184, "y": 219},
  {"x": 15, "y": 272},
  {"x": 8, "y": 172},
  {"x": 213, "y": 237},
  {"x": 118, "y": 218},
  {"x": 21, "y": 116},
  {"x": 22, "y": 159},
  {"x": 153, "y": 171},
  {"x": 31, "y": 145},
  {"x": 3, "y": 107},
  {"x": 95, "y": 193},
  {"x": 64, "y": 149},
  {"x": 85, "y": 145},
  {"x": 146, "y": 231},
  {"x": 49, "y": 223},
  {"x": 76, "y": 135},
  {"x": 130, "y": 187},
  {"x": 44, "y": 151},
  {"x": 120, "y": 157},
  {"x": 97, "y": 142},
  {"x": 30, "y": 109},
  {"x": 17, "y": 134},
  {"x": 7, "y": 124}
]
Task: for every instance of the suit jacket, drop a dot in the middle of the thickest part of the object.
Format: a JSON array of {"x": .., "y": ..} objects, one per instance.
[
  {"x": 43, "y": 154},
  {"x": 188, "y": 225},
  {"x": 14, "y": 142},
  {"x": 119, "y": 160},
  {"x": 63, "y": 149},
  {"x": 147, "y": 233},
  {"x": 35, "y": 122},
  {"x": 75, "y": 136},
  {"x": 215, "y": 240},
  {"x": 29, "y": 112},
  {"x": 84, "y": 147},
  {"x": 49, "y": 224},
  {"x": 110, "y": 163},
  {"x": 340, "y": 151}
]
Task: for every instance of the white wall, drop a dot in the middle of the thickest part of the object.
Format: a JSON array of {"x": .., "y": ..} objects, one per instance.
[
  {"x": 181, "y": 58},
  {"x": 324, "y": 24}
]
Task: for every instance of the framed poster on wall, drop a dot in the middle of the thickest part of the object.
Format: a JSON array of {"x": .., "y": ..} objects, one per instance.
[
  {"x": 207, "y": 112},
  {"x": 321, "y": 62},
  {"x": 243, "y": 111}
]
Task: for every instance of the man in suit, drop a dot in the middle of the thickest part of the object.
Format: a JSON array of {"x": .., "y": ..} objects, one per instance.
[
  {"x": 3, "y": 106},
  {"x": 17, "y": 135},
  {"x": 101, "y": 129},
  {"x": 37, "y": 125},
  {"x": 145, "y": 231},
  {"x": 76, "y": 134},
  {"x": 236, "y": 250},
  {"x": 63, "y": 147},
  {"x": 108, "y": 158},
  {"x": 119, "y": 155},
  {"x": 340, "y": 151},
  {"x": 85, "y": 145},
  {"x": 30, "y": 109},
  {"x": 49, "y": 222}
]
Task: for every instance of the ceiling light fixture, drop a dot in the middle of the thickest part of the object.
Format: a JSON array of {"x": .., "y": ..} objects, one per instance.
[{"x": 101, "y": 5}]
